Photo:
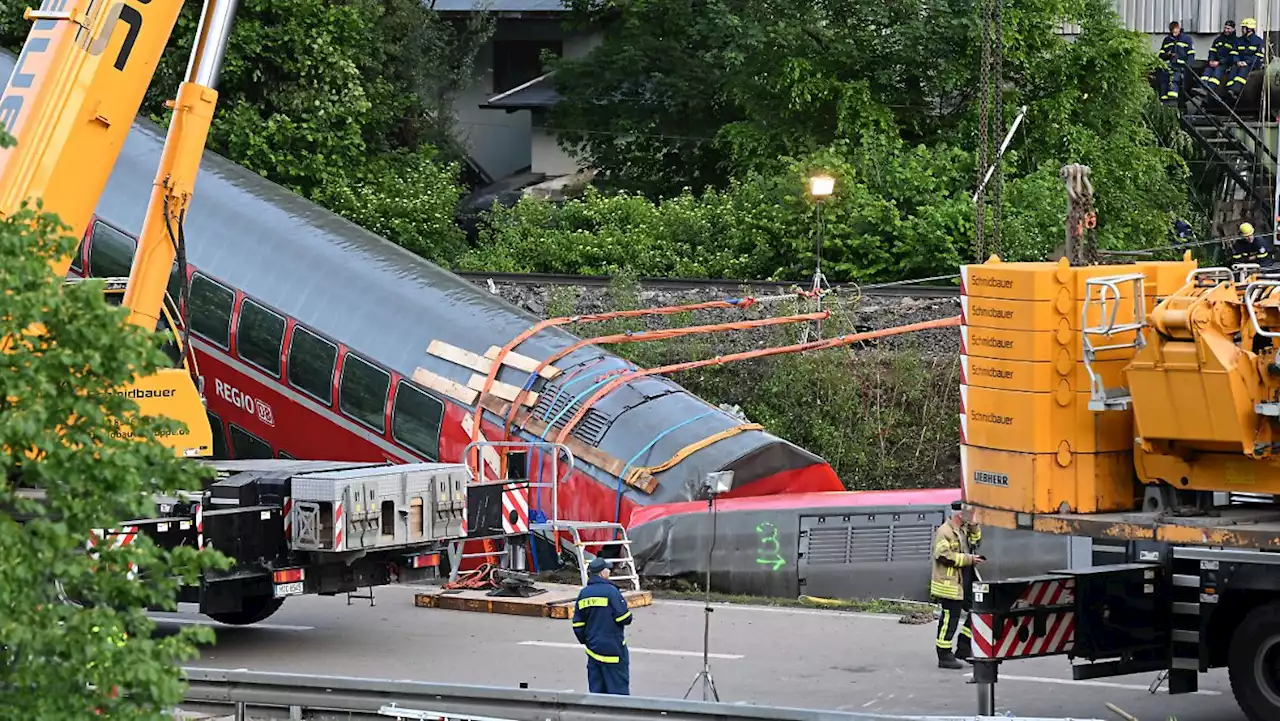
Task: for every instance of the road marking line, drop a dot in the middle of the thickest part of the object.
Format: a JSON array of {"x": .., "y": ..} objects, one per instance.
[
  {"x": 766, "y": 609},
  {"x": 660, "y": 651},
  {"x": 1100, "y": 684},
  {"x": 215, "y": 624}
]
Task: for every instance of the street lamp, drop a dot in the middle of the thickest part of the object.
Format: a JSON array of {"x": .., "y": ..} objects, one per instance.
[{"x": 820, "y": 188}]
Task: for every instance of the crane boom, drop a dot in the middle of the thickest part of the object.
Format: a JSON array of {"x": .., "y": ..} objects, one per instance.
[
  {"x": 74, "y": 93},
  {"x": 73, "y": 96}
]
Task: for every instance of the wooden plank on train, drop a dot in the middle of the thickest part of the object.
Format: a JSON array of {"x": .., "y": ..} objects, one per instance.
[
  {"x": 521, "y": 362},
  {"x": 505, "y": 391},
  {"x": 594, "y": 456},
  {"x": 451, "y": 388},
  {"x": 460, "y": 356}
]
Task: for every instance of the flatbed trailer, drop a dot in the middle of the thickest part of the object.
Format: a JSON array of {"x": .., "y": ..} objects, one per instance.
[
  {"x": 308, "y": 527},
  {"x": 1177, "y": 596}
]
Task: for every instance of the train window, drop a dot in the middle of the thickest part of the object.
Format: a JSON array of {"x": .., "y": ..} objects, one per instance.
[
  {"x": 219, "y": 437},
  {"x": 311, "y": 363},
  {"x": 416, "y": 419},
  {"x": 210, "y": 311},
  {"x": 260, "y": 336},
  {"x": 110, "y": 252},
  {"x": 362, "y": 394},
  {"x": 247, "y": 445},
  {"x": 76, "y": 264}
]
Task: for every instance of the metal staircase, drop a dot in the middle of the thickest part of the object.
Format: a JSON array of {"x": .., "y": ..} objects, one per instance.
[{"x": 1243, "y": 162}]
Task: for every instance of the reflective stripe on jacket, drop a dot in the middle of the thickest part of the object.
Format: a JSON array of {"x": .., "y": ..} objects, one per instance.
[
  {"x": 952, "y": 552},
  {"x": 1223, "y": 48},
  {"x": 599, "y": 617},
  {"x": 1177, "y": 49}
]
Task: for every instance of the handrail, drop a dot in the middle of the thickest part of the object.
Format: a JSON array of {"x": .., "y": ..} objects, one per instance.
[
  {"x": 1252, "y": 294},
  {"x": 362, "y": 699},
  {"x": 1239, "y": 121}
]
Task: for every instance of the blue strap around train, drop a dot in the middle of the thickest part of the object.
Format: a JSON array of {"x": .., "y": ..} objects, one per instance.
[{"x": 617, "y": 508}]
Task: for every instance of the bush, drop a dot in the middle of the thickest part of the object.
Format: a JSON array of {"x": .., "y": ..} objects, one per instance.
[{"x": 408, "y": 198}]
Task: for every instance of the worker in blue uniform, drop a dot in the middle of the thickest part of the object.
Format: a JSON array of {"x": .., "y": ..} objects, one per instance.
[
  {"x": 1178, "y": 52},
  {"x": 1249, "y": 56},
  {"x": 1222, "y": 55},
  {"x": 599, "y": 618}
]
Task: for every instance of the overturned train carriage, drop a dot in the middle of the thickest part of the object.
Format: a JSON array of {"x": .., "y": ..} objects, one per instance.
[{"x": 309, "y": 330}]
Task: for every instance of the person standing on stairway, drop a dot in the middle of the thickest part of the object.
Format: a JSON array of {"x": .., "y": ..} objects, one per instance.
[
  {"x": 954, "y": 563},
  {"x": 1246, "y": 248},
  {"x": 1222, "y": 55},
  {"x": 1178, "y": 51},
  {"x": 599, "y": 617},
  {"x": 1249, "y": 56}
]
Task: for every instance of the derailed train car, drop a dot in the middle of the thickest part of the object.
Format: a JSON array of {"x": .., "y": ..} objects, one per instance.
[{"x": 308, "y": 331}]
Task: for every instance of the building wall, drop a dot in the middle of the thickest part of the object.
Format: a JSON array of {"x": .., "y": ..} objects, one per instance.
[
  {"x": 505, "y": 143},
  {"x": 1197, "y": 17},
  {"x": 548, "y": 158},
  {"x": 497, "y": 141}
]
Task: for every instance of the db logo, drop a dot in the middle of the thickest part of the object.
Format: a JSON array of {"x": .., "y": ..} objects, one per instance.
[{"x": 244, "y": 401}]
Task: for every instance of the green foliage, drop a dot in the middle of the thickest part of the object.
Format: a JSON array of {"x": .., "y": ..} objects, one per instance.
[
  {"x": 710, "y": 235},
  {"x": 882, "y": 417},
  {"x": 750, "y": 97},
  {"x": 312, "y": 88},
  {"x": 62, "y": 661},
  {"x": 409, "y": 197}
]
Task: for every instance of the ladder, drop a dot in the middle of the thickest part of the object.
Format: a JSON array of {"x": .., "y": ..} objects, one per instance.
[
  {"x": 622, "y": 568},
  {"x": 1108, "y": 301}
]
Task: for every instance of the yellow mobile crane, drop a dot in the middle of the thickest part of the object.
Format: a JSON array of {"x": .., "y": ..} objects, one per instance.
[
  {"x": 1138, "y": 405},
  {"x": 292, "y": 527},
  {"x": 70, "y": 102}
]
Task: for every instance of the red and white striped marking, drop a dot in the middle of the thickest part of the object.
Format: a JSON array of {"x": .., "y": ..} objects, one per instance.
[
  {"x": 1052, "y": 592},
  {"x": 200, "y": 526},
  {"x": 338, "y": 521},
  {"x": 1017, "y": 638},
  {"x": 515, "y": 508},
  {"x": 119, "y": 539},
  {"x": 288, "y": 517},
  {"x": 964, "y": 340}
]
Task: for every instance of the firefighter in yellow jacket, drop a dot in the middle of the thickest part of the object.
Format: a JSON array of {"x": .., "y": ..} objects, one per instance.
[{"x": 954, "y": 558}]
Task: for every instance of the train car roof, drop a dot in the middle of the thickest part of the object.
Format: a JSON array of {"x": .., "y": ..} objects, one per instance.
[{"x": 388, "y": 304}]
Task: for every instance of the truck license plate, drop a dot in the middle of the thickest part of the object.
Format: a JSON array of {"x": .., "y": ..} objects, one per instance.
[{"x": 288, "y": 589}]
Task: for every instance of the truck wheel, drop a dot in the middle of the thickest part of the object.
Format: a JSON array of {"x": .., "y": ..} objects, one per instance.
[
  {"x": 252, "y": 610},
  {"x": 1253, "y": 663}
]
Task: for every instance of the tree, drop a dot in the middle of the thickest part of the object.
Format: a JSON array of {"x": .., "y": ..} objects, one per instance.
[
  {"x": 312, "y": 90},
  {"x": 882, "y": 95},
  {"x": 62, "y": 660}
]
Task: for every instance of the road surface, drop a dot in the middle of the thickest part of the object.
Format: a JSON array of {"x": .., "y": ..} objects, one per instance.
[{"x": 761, "y": 655}]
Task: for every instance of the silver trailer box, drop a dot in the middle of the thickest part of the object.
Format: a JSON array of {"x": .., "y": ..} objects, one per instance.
[{"x": 379, "y": 507}]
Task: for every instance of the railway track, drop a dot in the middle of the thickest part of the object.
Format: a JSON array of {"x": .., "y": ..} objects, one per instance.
[{"x": 678, "y": 284}]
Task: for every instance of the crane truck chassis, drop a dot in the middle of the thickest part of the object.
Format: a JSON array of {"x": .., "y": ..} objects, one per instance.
[{"x": 1133, "y": 405}]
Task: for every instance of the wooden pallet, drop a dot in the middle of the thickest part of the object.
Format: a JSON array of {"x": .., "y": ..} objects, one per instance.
[{"x": 557, "y": 602}]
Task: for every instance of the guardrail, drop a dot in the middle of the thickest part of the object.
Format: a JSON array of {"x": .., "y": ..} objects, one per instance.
[{"x": 263, "y": 695}]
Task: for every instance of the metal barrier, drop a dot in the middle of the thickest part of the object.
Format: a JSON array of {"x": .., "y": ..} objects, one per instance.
[{"x": 289, "y": 695}]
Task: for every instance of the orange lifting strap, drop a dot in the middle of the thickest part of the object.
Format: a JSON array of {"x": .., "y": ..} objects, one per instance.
[
  {"x": 650, "y": 335},
  {"x": 742, "y": 303},
  {"x": 836, "y": 342}
]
